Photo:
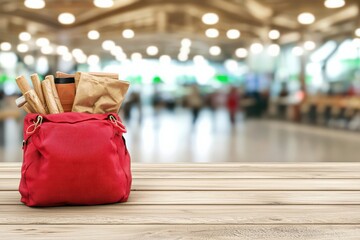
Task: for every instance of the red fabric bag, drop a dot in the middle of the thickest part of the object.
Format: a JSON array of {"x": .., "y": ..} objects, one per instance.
[{"x": 74, "y": 159}]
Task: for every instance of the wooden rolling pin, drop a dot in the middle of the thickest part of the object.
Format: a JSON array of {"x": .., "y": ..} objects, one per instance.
[
  {"x": 33, "y": 100},
  {"x": 55, "y": 93},
  {"x": 37, "y": 87},
  {"x": 49, "y": 96}
]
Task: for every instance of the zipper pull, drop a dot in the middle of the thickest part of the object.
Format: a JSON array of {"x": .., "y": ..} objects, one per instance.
[{"x": 24, "y": 142}]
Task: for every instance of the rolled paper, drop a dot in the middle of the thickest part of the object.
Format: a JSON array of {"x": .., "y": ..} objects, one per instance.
[
  {"x": 37, "y": 87},
  {"x": 49, "y": 97},
  {"x": 23, "y": 84},
  {"x": 20, "y": 101},
  {"x": 27, "y": 108},
  {"x": 34, "y": 101},
  {"x": 55, "y": 93}
]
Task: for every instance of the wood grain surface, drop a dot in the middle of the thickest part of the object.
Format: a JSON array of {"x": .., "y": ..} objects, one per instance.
[{"x": 202, "y": 201}]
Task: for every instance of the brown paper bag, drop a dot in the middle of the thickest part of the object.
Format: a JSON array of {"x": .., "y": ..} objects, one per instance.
[{"x": 96, "y": 94}]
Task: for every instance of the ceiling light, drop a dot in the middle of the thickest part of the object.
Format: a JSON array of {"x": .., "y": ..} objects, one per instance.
[
  {"x": 67, "y": 57},
  {"x": 47, "y": 49},
  {"x": 108, "y": 45},
  {"x": 24, "y": 36},
  {"x": 103, "y": 3},
  {"x": 81, "y": 58},
  {"x": 121, "y": 57},
  {"x": 152, "y": 50},
  {"x": 212, "y": 33},
  {"x": 210, "y": 18},
  {"x": 93, "y": 60},
  {"x": 184, "y": 50},
  {"x": 22, "y": 47},
  {"x": 231, "y": 65},
  {"x": 183, "y": 57},
  {"x": 34, "y": 4},
  {"x": 61, "y": 50},
  {"x": 185, "y": 42},
  {"x": 309, "y": 45},
  {"x": 116, "y": 50},
  {"x": 77, "y": 52},
  {"x": 66, "y": 18},
  {"x": 93, "y": 35},
  {"x": 274, "y": 34},
  {"x": 241, "y": 52},
  {"x": 165, "y": 59},
  {"x": 136, "y": 56},
  {"x": 256, "y": 48},
  {"x": 233, "y": 34},
  {"x": 5, "y": 46},
  {"x": 42, "y": 42},
  {"x": 215, "y": 50},
  {"x": 334, "y": 3},
  {"x": 29, "y": 60},
  {"x": 297, "y": 51},
  {"x": 273, "y": 50},
  {"x": 198, "y": 59},
  {"x": 306, "y": 18},
  {"x": 357, "y": 32},
  {"x": 128, "y": 33}
]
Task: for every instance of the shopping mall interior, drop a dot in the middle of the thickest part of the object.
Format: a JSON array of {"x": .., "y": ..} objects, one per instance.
[
  {"x": 211, "y": 81},
  {"x": 180, "y": 119}
]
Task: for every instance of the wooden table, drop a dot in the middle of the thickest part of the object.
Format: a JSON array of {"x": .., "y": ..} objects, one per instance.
[{"x": 203, "y": 201}]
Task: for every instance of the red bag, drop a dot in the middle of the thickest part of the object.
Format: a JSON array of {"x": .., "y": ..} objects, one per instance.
[{"x": 74, "y": 159}]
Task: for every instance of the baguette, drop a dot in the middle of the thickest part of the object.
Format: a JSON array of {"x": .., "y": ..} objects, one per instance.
[
  {"x": 33, "y": 100},
  {"x": 23, "y": 84},
  {"x": 49, "y": 97},
  {"x": 37, "y": 87},
  {"x": 55, "y": 93}
]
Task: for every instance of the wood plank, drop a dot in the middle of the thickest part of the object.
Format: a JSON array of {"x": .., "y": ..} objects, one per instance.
[
  {"x": 149, "y": 232},
  {"x": 226, "y": 197},
  {"x": 140, "y": 184},
  {"x": 181, "y": 214},
  {"x": 232, "y": 167},
  {"x": 203, "y": 174}
]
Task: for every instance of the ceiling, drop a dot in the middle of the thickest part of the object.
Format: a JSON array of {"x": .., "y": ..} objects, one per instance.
[{"x": 164, "y": 23}]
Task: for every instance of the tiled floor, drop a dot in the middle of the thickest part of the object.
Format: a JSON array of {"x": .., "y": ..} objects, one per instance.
[{"x": 171, "y": 138}]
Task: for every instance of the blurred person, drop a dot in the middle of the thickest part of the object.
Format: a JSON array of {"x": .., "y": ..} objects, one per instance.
[
  {"x": 194, "y": 102},
  {"x": 232, "y": 104},
  {"x": 264, "y": 102},
  {"x": 282, "y": 102},
  {"x": 134, "y": 100}
]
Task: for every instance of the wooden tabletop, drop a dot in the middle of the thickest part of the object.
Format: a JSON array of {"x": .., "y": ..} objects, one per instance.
[{"x": 202, "y": 201}]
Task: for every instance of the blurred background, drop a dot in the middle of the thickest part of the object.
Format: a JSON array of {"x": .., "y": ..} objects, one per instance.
[{"x": 212, "y": 80}]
